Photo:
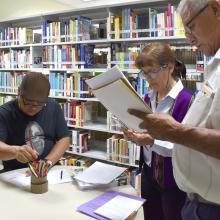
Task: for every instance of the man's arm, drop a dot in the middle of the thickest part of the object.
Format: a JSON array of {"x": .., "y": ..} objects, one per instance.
[
  {"x": 204, "y": 140},
  {"x": 164, "y": 127},
  {"x": 22, "y": 154},
  {"x": 58, "y": 150}
]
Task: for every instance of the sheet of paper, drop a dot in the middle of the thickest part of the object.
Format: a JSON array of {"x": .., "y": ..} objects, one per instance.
[
  {"x": 100, "y": 173},
  {"x": 16, "y": 178},
  {"x": 54, "y": 176},
  {"x": 118, "y": 98},
  {"x": 20, "y": 179},
  {"x": 119, "y": 208},
  {"x": 109, "y": 76}
]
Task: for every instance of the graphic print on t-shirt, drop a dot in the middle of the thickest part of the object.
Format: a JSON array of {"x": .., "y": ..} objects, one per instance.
[{"x": 35, "y": 134}]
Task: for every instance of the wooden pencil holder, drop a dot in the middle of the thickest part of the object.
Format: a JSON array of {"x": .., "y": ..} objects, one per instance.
[{"x": 39, "y": 185}]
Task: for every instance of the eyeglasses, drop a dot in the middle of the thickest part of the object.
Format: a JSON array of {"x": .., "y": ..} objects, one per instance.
[
  {"x": 153, "y": 73},
  {"x": 188, "y": 28},
  {"x": 33, "y": 103}
]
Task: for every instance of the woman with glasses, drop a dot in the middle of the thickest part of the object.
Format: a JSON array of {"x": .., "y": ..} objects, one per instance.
[{"x": 166, "y": 94}]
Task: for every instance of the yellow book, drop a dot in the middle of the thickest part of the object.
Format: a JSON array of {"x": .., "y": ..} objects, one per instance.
[
  {"x": 179, "y": 28},
  {"x": 117, "y": 28}
]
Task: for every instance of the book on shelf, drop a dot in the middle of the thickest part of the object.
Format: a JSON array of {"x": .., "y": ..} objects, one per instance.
[
  {"x": 80, "y": 113},
  {"x": 116, "y": 93},
  {"x": 123, "y": 151},
  {"x": 124, "y": 56},
  {"x": 80, "y": 141}
]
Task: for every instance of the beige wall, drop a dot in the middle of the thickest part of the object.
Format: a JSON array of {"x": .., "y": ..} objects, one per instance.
[{"x": 10, "y": 9}]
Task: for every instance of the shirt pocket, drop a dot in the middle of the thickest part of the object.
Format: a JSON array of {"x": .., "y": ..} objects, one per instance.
[{"x": 198, "y": 112}]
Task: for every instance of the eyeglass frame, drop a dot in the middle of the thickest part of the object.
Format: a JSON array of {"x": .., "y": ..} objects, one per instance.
[
  {"x": 154, "y": 73},
  {"x": 39, "y": 105},
  {"x": 189, "y": 30}
]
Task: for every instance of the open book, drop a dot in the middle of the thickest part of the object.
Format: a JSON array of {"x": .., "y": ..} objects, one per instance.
[{"x": 117, "y": 95}]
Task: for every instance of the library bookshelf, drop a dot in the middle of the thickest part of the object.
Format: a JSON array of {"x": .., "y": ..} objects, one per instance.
[{"x": 73, "y": 46}]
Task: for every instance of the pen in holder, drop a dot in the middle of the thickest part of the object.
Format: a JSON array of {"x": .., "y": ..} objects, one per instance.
[{"x": 39, "y": 184}]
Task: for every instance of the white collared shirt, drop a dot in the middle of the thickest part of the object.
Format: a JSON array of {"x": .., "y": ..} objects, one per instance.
[
  {"x": 196, "y": 172},
  {"x": 162, "y": 148}
]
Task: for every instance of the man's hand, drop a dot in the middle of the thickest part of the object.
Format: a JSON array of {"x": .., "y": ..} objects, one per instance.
[
  {"x": 25, "y": 154},
  {"x": 159, "y": 125},
  {"x": 132, "y": 216},
  {"x": 139, "y": 138}
]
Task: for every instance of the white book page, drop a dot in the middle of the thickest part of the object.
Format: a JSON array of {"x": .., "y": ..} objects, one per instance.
[
  {"x": 118, "y": 98},
  {"x": 100, "y": 173},
  {"x": 55, "y": 177},
  {"x": 103, "y": 79},
  {"x": 119, "y": 208}
]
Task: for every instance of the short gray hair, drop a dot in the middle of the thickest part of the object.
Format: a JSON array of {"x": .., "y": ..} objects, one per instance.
[{"x": 185, "y": 6}]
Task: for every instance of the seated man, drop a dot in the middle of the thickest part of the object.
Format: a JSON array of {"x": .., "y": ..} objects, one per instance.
[{"x": 32, "y": 126}]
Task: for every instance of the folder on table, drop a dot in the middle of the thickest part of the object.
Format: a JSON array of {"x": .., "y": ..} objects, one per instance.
[
  {"x": 103, "y": 207},
  {"x": 116, "y": 93}
]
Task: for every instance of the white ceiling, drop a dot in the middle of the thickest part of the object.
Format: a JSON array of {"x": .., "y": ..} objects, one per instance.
[{"x": 92, "y": 3}]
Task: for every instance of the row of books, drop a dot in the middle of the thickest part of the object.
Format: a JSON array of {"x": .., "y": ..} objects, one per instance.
[
  {"x": 9, "y": 82},
  {"x": 123, "y": 151},
  {"x": 124, "y": 56},
  {"x": 16, "y": 36},
  {"x": 74, "y": 29},
  {"x": 69, "y": 85},
  {"x": 80, "y": 141},
  {"x": 129, "y": 23},
  {"x": 19, "y": 58},
  {"x": 198, "y": 76},
  {"x": 75, "y": 161},
  {"x": 80, "y": 113},
  {"x": 151, "y": 23},
  {"x": 68, "y": 56}
]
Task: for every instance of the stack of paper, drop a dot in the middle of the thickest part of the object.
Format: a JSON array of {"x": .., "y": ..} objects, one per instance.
[
  {"x": 112, "y": 205},
  {"x": 116, "y": 93},
  {"x": 98, "y": 174}
]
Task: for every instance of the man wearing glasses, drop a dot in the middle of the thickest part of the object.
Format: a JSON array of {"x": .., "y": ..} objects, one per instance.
[
  {"x": 196, "y": 154},
  {"x": 32, "y": 126}
]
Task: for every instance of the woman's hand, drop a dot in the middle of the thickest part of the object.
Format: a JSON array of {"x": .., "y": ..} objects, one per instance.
[{"x": 138, "y": 138}]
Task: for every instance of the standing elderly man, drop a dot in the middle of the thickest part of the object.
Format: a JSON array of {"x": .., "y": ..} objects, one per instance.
[
  {"x": 32, "y": 120},
  {"x": 196, "y": 155}
]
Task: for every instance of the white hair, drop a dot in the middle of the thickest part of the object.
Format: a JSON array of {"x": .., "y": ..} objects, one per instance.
[{"x": 185, "y": 6}]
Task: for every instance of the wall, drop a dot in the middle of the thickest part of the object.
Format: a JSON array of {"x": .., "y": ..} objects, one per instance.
[
  {"x": 11, "y": 9},
  {"x": 23, "y": 8}
]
